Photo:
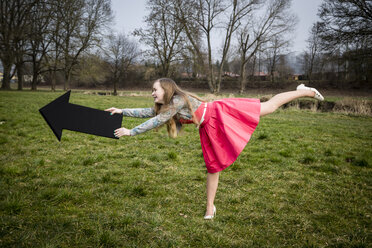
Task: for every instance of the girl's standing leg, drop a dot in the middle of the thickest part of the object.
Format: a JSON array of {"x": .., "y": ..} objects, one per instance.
[
  {"x": 212, "y": 183},
  {"x": 278, "y": 100}
]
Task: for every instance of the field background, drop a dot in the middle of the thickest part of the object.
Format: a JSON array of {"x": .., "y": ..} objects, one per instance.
[{"x": 304, "y": 180}]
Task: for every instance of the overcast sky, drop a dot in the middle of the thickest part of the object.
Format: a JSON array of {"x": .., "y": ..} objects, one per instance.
[{"x": 129, "y": 15}]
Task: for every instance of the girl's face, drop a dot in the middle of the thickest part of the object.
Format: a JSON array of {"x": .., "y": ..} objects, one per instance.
[{"x": 158, "y": 93}]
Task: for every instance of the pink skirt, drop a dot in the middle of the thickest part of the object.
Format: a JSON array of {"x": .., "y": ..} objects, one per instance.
[{"x": 227, "y": 127}]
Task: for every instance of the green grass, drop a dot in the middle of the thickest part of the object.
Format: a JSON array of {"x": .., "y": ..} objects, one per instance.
[{"x": 304, "y": 180}]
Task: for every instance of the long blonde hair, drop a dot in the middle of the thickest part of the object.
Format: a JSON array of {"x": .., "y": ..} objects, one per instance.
[{"x": 171, "y": 89}]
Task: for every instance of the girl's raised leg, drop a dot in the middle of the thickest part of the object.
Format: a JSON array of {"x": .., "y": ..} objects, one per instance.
[
  {"x": 212, "y": 183},
  {"x": 278, "y": 100}
]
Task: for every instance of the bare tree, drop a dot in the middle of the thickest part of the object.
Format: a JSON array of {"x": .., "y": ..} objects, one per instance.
[
  {"x": 345, "y": 21},
  {"x": 40, "y": 37},
  {"x": 20, "y": 58},
  {"x": 163, "y": 34},
  {"x": 120, "y": 53},
  {"x": 239, "y": 10},
  {"x": 284, "y": 67},
  {"x": 274, "y": 52},
  {"x": 314, "y": 48},
  {"x": 54, "y": 57},
  {"x": 346, "y": 28},
  {"x": 80, "y": 27},
  {"x": 258, "y": 31},
  {"x": 194, "y": 51},
  {"x": 14, "y": 28},
  {"x": 198, "y": 18},
  {"x": 201, "y": 18}
]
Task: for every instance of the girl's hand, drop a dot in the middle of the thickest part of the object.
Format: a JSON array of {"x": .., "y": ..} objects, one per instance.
[
  {"x": 121, "y": 132},
  {"x": 114, "y": 110}
]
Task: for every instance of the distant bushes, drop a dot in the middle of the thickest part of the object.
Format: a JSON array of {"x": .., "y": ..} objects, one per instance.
[{"x": 347, "y": 105}]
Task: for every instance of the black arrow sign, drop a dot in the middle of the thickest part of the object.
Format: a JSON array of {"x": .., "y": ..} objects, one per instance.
[{"x": 59, "y": 114}]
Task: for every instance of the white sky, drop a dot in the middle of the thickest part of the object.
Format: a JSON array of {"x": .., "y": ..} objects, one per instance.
[{"x": 129, "y": 15}]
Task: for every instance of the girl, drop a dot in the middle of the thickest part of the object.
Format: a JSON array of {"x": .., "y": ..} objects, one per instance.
[{"x": 225, "y": 126}]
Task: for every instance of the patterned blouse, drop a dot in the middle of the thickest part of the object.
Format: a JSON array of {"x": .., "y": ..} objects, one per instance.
[{"x": 178, "y": 108}]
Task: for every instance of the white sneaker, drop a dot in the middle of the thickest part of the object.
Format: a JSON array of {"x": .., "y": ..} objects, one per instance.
[
  {"x": 209, "y": 217},
  {"x": 317, "y": 96}
]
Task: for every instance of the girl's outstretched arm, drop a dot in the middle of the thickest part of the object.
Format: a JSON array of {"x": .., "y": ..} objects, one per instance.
[
  {"x": 177, "y": 104},
  {"x": 135, "y": 112},
  {"x": 139, "y": 112},
  {"x": 147, "y": 125}
]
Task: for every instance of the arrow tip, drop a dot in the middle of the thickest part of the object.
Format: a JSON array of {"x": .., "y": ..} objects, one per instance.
[{"x": 52, "y": 113}]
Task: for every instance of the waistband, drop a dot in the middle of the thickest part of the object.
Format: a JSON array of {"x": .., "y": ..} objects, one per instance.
[{"x": 200, "y": 112}]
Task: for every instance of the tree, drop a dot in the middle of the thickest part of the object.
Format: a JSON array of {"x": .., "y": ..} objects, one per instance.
[
  {"x": 258, "y": 31},
  {"x": 92, "y": 71},
  {"x": 346, "y": 28},
  {"x": 81, "y": 26},
  {"x": 184, "y": 11},
  {"x": 39, "y": 38},
  {"x": 163, "y": 34},
  {"x": 121, "y": 52},
  {"x": 274, "y": 53},
  {"x": 239, "y": 10},
  {"x": 314, "y": 47},
  {"x": 198, "y": 18},
  {"x": 284, "y": 67},
  {"x": 345, "y": 21},
  {"x": 14, "y": 28},
  {"x": 53, "y": 57}
]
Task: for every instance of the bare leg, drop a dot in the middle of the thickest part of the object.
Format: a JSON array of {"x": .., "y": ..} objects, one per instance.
[
  {"x": 212, "y": 183},
  {"x": 278, "y": 100}
]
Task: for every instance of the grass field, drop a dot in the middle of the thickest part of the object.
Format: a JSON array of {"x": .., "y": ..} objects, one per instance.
[{"x": 304, "y": 180}]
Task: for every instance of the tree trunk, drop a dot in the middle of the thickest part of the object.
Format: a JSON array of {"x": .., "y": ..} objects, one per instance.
[
  {"x": 166, "y": 69},
  {"x": 211, "y": 83},
  {"x": 243, "y": 78},
  {"x": 210, "y": 79},
  {"x": 254, "y": 65},
  {"x": 311, "y": 66},
  {"x": 219, "y": 80},
  {"x": 66, "y": 84},
  {"x": 34, "y": 79},
  {"x": 6, "y": 76},
  {"x": 115, "y": 86},
  {"x": 20, "y": 76},
  {"x": 272, "y": 68},
  {"x": 54, "y": 79}
]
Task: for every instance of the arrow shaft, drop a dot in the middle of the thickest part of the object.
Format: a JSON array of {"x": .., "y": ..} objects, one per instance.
[{"x": 92, "y": 121}]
